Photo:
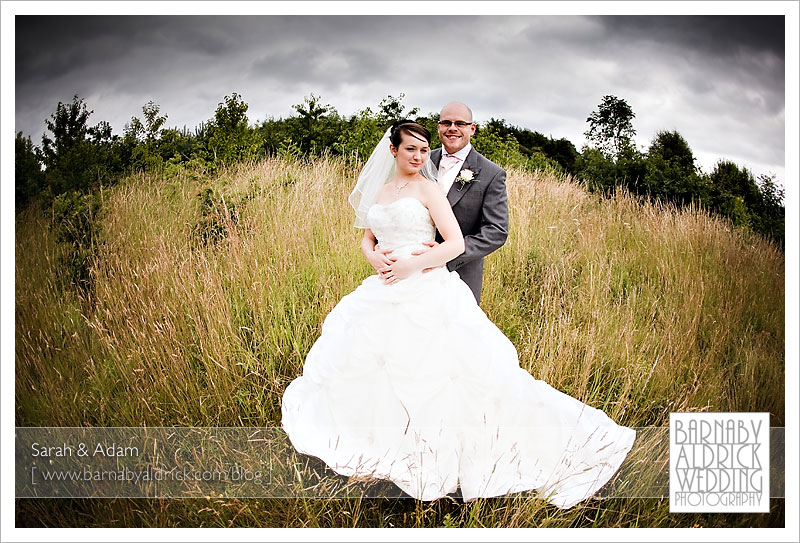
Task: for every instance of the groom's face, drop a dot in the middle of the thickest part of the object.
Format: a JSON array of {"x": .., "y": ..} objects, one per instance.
[{"x": 455, "y": 137}]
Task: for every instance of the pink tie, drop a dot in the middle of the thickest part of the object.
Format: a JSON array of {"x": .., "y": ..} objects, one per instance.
[{"x": 447, "y": 162}]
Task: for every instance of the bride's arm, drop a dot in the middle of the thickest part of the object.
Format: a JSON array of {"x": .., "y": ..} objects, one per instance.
[
  {"x": 451, "y": 247},
  {"x": 377, "y": 259}
]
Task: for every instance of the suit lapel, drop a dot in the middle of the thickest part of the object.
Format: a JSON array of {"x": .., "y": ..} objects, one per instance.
[
  {"x": 436, "y": 157},
  {"x": 454, "y": 195}
]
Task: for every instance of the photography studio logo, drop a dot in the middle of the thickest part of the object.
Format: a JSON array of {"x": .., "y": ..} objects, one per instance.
[{"x": 718, "y": 462}]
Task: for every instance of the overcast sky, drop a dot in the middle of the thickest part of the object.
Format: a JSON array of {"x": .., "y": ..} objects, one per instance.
[{"x": 718, "y": 80}]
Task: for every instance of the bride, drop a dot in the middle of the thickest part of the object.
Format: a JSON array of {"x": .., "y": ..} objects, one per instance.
[{"x": 411, "y": 382}]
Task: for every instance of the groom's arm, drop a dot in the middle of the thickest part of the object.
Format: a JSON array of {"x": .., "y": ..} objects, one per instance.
[{"x": 494, "y": 223}]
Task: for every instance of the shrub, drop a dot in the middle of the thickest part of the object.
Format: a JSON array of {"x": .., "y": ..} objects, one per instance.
[{"x": 76, "y": 224}]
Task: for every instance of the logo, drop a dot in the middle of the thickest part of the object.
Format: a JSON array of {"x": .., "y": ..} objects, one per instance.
[{"x": 718, "y": 462}]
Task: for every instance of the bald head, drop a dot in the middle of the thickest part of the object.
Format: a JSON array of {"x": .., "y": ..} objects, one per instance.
[{"x": 458, "y": 108}]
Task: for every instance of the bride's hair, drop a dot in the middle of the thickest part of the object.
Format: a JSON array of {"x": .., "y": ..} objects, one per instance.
[{"x": 408, "y": 127}]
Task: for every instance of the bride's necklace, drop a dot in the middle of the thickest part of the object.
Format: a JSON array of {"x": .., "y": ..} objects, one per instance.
[{"x": 401, "y": 187}]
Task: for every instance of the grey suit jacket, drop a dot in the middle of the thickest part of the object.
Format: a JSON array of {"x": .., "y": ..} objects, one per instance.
[{"x": 481, "y": 209}]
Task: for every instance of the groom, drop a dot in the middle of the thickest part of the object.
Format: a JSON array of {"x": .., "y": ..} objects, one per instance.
[{"x": 476, "y": 189}]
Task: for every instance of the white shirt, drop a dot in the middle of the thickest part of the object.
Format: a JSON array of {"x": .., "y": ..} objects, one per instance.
[{"x": 447, "y": 178}]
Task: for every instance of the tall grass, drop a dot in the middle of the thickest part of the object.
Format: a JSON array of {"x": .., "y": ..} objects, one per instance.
[{"x": 201, "y": 314}]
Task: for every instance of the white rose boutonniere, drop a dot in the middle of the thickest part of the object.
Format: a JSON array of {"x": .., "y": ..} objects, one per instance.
[{"x": 464, "y": 177}]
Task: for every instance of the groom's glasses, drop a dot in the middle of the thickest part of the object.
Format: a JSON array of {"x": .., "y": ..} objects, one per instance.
[{"x": 460, "y": 124}]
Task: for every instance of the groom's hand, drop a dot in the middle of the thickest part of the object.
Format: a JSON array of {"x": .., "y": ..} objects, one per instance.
[
  {"x": 430, "y": 245},
  {"x": 379, "y": 258}
]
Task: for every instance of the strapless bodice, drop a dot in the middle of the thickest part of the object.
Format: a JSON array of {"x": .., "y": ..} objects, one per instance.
[{"x": 401, "y": 226}]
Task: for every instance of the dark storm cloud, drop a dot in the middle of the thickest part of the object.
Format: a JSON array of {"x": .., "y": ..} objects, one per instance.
[
  {"x": 742, "y": 46},
  {"x": 718, "y": 80},
  {"x": 49, "y": 47},
  {"x": 316, "y": 66},
  {"x": 714, "y": 35}
]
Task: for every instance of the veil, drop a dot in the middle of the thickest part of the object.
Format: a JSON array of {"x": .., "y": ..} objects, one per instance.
[{"x": 379, "y": 170}]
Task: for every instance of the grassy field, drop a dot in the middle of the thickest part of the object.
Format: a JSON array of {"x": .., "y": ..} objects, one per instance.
[{"x": 207, "y": 293}]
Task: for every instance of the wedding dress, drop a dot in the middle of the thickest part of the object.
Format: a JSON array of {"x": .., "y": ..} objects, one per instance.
[{"x": 411, "y": 382}]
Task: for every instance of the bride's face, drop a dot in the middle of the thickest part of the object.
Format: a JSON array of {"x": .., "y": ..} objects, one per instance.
[{"x": 411, "y": 155}]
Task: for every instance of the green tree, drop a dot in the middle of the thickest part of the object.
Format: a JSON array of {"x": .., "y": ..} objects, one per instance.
[
  {"x": 312, "y": 110},
  {"x": 28, "y": 175},
  {"x": 319, "y": 126},
  {"x": 363, "y": 132},
  {"x": 670, "y": 170},
  {"x": 537, "y": 146},
  {"x": 357, "y": 136},
  {"x": 757, "y": 205},
  {"x": 733, "y": 192},
  {"x": 230, "y": 138},
  {"x": 67, "y": 153},
  {"x": 562, "y": 151},
  {"x": 143, "y": 138},
  {"x": 175, "y": 144},
  {"x": 150, "y": 129},
  {"x": 771, "y": 213},
  {"x": 728, "y": 179},
  {"x": 597, "y": 171},
  {"x": 600, "y": 173},
  {"x": 431, "y": 122},
  {"x": 630, "y": 170},
  {"x": 497, "y": 148},
  {"x": 153, "y": 121},
  {"x": 391, "y": 109},
  {"x": 610, "y": 127},
  {"x": 109, "y": 158}
]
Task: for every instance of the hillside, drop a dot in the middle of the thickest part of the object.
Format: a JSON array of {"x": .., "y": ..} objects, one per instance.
[{"x": 205, "y": 294}]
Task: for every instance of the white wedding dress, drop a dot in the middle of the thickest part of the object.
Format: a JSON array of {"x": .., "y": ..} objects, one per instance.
[{"x": 412, "y": 382}]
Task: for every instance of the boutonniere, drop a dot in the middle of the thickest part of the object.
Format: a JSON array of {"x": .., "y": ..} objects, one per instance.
[{"x": 466, "y": 176}]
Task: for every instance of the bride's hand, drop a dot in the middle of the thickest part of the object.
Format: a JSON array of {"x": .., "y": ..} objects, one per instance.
[
  {"x": 430, "y": 244},
  {"x": 379, "y": 258},
  {"x": 397, "y": 271}
]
